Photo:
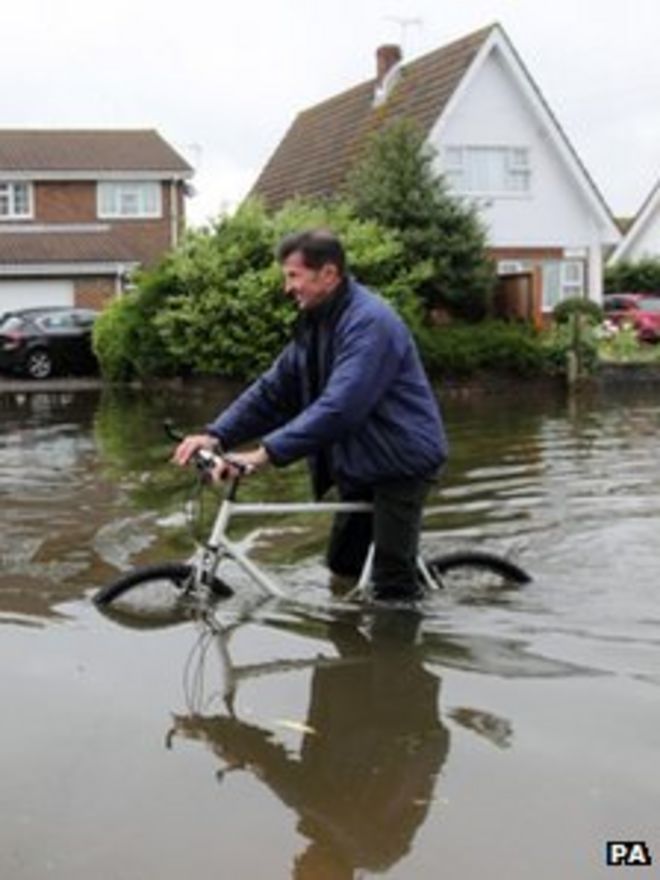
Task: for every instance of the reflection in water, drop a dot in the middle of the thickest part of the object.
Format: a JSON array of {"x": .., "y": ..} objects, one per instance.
[{"x": 373, "y": 744}]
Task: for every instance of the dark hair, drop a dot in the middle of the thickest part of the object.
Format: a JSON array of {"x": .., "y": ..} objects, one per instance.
[{"x": 316, "y": 247}]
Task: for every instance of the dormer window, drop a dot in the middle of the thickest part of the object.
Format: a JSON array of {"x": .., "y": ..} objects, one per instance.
[
  {"x": 15, "y": 200},
  {"x": 136, "y": 199}
]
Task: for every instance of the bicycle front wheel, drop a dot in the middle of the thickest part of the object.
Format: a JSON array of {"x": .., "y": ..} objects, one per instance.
[
  {"x": 475, "y": 569},
  {"x": 149, "y": 587}
]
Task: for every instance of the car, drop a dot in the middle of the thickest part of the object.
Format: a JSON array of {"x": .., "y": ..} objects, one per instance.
[
  {"x": 40, "y": 342},
  {"x": 642, "y": 310}
]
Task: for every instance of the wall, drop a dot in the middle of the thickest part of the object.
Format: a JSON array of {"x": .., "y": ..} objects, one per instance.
[
  {"x": 74, "y": 202},
  {"x": 94, "y": 293},
  {"x": 494, "y": 111}
]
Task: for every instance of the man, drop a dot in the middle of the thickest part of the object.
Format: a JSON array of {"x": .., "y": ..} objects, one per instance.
[{"x": 350, "y": 394}]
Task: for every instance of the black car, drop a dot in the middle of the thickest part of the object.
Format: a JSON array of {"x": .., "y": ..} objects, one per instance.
[{"x": 43, "y": 341}]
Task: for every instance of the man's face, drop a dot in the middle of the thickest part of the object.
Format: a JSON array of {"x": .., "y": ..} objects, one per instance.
[{"x": 309, "y": 287}]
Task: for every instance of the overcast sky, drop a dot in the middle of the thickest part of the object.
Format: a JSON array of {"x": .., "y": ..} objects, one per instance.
[{"x": 223, "y": 81}]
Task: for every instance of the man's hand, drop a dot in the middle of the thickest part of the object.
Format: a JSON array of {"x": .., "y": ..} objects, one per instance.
[
  {"x": 237, "y": 463},
  {"x": 189, "y": 446}
]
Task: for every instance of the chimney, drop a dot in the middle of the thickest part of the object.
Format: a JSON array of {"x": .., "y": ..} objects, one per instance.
[{"x": 387, "y": 57}]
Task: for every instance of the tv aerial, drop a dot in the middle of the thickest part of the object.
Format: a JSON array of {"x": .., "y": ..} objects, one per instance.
[{"x": 404, "y": 25}]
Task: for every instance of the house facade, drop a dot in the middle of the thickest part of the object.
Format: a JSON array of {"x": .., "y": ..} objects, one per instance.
[
  {"x": 496, "y": 141},
  {"x": 81, "y": 210}
]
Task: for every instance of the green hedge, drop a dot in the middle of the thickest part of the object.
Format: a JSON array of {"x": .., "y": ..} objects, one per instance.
[
  {"x": 464, "y": 349},
  {"x": 640, "y": 275}
]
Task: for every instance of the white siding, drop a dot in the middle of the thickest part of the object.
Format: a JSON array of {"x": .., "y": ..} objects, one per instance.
[
  {"x": 646, "y": 241},
  {"x": 494, "y": 111},
  {"x": 29, "y": 294}
]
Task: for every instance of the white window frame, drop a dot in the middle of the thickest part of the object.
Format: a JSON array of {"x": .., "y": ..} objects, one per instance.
[
  {"x": 567, "y": 286},
  {"x": 8, "y": 189},
  {"x": 574, "y": 286},
  {"x": 111, "y": 196},
  {"x": 512, "y": 267},
  {"x": 518, "y": 171}
]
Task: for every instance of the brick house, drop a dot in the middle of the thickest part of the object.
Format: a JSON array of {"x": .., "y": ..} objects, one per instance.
[
  {"x": 79, "y": 210},
  {"x": 497, "y": 142}
]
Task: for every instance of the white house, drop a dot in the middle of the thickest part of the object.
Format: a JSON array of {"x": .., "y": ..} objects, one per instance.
[
  {"x": 642, "y": 239},
  {"x": 497, "y": 142}
]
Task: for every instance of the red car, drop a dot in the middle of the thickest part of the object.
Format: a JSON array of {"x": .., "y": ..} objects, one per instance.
[{"x": 642, "y": 310}]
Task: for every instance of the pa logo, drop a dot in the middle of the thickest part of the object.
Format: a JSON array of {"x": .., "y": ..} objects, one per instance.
[{"x": 628, "y": 853}]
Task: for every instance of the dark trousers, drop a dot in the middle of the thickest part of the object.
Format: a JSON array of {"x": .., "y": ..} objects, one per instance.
[{"x": 394, "y": 527}]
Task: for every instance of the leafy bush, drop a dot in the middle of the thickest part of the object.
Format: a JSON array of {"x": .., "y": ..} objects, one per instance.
[
  {"x": 577, "y": 305},
  {"x": 619, "y": 344},
  {"x": 126, "y": 340},
  {"x": 215, "y": 305},
  {"x": 463, "y": 349},
  {"x": 560, "y": 342},
  {"x": 639, "y": 276}
]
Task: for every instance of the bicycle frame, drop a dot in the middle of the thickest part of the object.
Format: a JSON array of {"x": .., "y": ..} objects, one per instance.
[{"x": 219, "y": 545}]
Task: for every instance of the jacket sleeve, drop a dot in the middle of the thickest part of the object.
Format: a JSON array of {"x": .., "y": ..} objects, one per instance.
[
  {"x": 368, "y": 353},
  {"x": 269, "y": 402}
]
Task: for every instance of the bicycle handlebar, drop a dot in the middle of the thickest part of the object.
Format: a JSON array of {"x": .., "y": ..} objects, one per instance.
[{"x": 204, "y": 459}]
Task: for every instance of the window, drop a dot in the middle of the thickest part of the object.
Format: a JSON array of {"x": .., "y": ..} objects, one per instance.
[
  {"x": 572, "y": 278},
  {"x": 488, "y": 170},
  {"x": 15, "y": 201},
  {"x": 129, "y": 199},
  {"x": 561, "y": 280}
]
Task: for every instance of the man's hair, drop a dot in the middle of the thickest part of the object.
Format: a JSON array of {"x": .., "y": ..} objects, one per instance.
[{"x": 316, "y": 247}]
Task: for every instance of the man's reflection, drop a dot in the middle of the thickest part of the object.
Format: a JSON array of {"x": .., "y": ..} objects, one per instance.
[{"x": 373, "y": 746}]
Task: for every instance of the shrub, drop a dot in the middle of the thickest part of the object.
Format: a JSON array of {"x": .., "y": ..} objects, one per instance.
[
  {"x": 126, "y": 340},
  {"x": 215, "y": 305},
  {"x": 577, "y": 305},
  {"x": 463, "y": 349},
  {"x": 561, "y": 341},
  {"x": 640, "y": 275},
  {"x": 619, "y": 344}
]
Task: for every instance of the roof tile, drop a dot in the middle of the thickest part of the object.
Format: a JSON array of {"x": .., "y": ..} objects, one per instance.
[
  {"x": 35, "y": 150},
  {"x": 65, "y": 247},
  {"x": 324, "y": 141}
]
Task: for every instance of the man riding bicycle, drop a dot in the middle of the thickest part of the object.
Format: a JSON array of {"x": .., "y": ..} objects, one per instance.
[{"x": 350, "y": 394}]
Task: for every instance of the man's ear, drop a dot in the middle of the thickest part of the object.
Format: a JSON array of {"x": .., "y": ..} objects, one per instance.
[{"x": 331, "y": 274}]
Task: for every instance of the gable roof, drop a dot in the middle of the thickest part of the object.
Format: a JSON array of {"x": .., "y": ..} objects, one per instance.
[
  {"x": 64, "y": 152},
  {"x": 324, "y": 141},
  {"x": 315, "y": 155},
  {"x": 640, "y": 223}
]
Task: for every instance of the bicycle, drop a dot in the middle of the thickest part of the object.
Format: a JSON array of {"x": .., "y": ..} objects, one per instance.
[{"x": 199, "y": 577}]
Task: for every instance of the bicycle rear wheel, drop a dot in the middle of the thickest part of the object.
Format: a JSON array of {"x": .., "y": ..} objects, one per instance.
[
  {"x": 470, "y": 570},
  {"x": 149, "y": 587}
]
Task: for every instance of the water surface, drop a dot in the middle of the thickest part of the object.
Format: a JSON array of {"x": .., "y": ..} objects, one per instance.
[{"x": 503, "y": 735}]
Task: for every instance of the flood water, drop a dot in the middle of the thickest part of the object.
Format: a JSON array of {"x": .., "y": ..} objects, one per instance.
[{"x": 507, "y": 735}]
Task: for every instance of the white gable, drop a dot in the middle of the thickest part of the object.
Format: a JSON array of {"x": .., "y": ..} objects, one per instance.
[
  {"x": 642, "y": 240},
  {"x": 497, "y": 105}
]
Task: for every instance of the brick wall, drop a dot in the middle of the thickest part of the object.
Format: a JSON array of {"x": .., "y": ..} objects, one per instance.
[
  {"x": 75, "y": 202},
  {"x": 94, "y": 293},
  {"x": 59, "y": 202}
]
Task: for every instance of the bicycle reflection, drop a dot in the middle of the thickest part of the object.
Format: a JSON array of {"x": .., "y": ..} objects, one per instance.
[{"x": 373, "y": 746}]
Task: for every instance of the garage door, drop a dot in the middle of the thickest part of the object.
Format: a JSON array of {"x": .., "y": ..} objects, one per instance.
[{"x": 28, "y": 294}]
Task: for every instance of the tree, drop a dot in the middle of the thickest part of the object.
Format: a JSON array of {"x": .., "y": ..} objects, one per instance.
[{"x": 396, "y": 184}]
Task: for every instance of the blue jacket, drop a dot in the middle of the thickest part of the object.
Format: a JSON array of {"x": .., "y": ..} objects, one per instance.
[{"x": 373, "y": 416}]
